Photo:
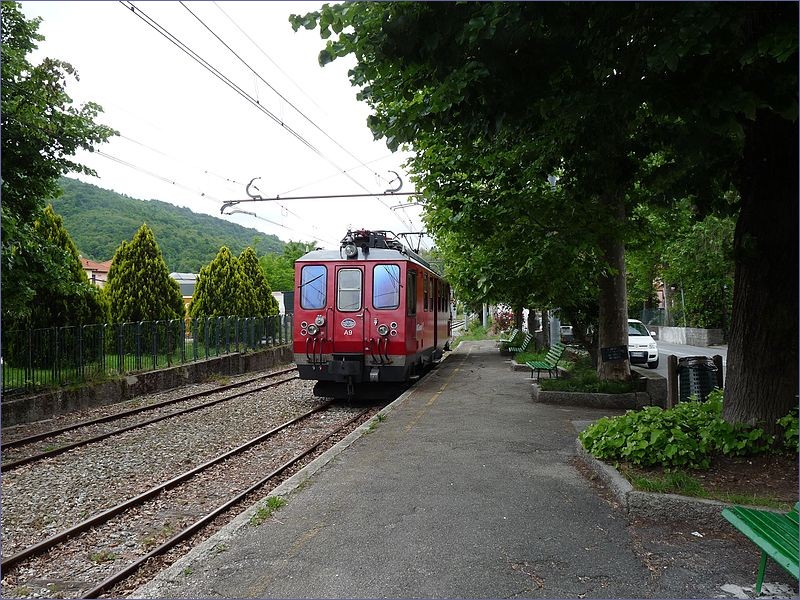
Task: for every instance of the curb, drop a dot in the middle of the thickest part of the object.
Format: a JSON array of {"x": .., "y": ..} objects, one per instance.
[
  {"x": 174, "y": 574},
  {"x": 648, "y": 505}
]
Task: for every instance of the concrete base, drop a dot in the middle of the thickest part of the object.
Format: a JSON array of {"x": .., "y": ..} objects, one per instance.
[
  {"x": 652, "y": 392},
  {"x": 61, "y": 401}
]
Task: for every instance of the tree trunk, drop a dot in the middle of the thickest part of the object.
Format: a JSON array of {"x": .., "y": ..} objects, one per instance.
[
  {"x": 763, "y": 344},
  {"x": 613, "y": 300},
  {"x": 518, "y": 316},
  {"x": 545, "y": 329}
]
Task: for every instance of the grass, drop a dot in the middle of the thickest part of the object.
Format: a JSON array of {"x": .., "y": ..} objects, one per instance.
[
  {"x": 474, "y": 333},
  {"x": 103, "y": 556},
  {"x": 680, "y": 482},
  {"x": 263, "y": 513},
  {"x": 583, "y": 378}
]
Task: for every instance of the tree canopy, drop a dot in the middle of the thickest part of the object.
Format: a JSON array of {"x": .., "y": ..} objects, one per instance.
[
  {"x": 42, "y": 130},
  {"x": 604, "y": 96},
  {"x": 139, "y": 287}
]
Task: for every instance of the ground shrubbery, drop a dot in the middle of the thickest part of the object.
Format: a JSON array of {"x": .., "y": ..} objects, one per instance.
[{"x": 687, "y": 436}]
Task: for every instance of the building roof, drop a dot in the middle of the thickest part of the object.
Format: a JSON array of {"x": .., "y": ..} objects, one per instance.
[{"x": 100, "y": 267}]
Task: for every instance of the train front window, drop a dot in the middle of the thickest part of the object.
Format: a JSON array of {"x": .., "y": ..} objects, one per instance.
[
  {"x": 348, "y": 292},
  {"x": 313, "y": 281},
  {"x": 386, "y": 287}
]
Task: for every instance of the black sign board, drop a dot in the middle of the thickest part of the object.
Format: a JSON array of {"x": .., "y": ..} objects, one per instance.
[{"x": 614, "y": 353}]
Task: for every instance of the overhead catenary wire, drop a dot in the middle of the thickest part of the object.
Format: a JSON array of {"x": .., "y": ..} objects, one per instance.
[
  {"x": 282, "y": 97},
  {"x": 235, "y": 87}
]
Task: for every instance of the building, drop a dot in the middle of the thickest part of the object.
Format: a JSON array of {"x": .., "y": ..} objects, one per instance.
[
  {"x": 187, "y": 282},
  {"x": 97, "y": 272}
]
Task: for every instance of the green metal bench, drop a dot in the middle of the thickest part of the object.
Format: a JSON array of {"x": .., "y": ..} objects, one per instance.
[
  {"x": 512, "y": 335},
  {"x": 523, "y": 347},
  {"x": 513, "y": 341},
  {"x": 550, "y": 362},
  {"x": 776, "y": 534}
]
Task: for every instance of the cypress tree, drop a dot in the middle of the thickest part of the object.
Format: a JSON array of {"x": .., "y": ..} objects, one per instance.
[
  {"x": 266, "y": 304},
  {"x": 64, "y": 295},
  {"x": 139, "y": 287},
  {"x": 223, "y": 289}
]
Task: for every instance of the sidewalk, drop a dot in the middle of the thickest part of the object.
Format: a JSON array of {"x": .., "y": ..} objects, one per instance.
[{"x": 467, "y": 489}]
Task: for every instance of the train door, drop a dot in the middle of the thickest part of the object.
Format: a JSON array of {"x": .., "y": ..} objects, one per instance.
[
  {"x": 411, "y": 312},
  {"x": 436, "y": 300},
  {"x": 348, "y": 322}
]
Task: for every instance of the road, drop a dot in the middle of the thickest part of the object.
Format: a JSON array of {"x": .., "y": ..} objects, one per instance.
[{"x": 682, "y": 350}]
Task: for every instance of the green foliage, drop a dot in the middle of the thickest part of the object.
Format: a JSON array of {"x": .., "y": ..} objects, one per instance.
[
  {"x": 789, "y": 426},
  {"x": 266, "y": 304},
  {"x": 139, "y": 287},
  {"x": 279, "y": 268},
  {"x": 684, "y": 436},
  {"x": 41, "y": 131},
  {"x": 583, "y": 378},
  {"x": 223, "y": 289},
  {"x": 100, "y": 218},
  {"x": 64, "y": 295},
  {"x": 700, "y": 261}
]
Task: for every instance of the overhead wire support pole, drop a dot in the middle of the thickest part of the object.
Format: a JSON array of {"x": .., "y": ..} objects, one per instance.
[{"x": 230, "y": 203}]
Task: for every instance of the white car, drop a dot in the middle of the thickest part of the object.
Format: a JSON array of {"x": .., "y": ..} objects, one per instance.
[{"x": 642, "y": 348}]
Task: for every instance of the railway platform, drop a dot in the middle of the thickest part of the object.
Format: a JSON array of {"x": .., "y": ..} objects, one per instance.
[{"x": 465, "y": 489}]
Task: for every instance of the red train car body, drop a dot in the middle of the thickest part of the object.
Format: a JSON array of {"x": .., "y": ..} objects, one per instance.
[{"x": 367, "y": 317}]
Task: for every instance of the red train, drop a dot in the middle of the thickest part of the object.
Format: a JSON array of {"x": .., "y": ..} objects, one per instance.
[{"x": 368, "y": 316}]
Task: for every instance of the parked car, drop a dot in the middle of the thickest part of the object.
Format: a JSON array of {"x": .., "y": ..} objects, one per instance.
[
  {"x": 642, "y": 348},
  {"x": 566, "y": 334}
]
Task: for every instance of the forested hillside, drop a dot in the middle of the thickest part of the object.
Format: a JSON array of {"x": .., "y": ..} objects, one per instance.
[{"x": 98, "y": 220}]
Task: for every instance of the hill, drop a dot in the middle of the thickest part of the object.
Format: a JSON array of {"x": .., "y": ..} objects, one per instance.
[{"x": 99, "y": 220}]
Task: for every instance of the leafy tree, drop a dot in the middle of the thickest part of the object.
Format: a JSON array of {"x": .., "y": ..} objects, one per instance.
[
  {"x": 41, "y": 131},
  {"x": 279, "y": 268},
  {"x": 700, "y": 260},
  {"x": 266, "y": 304},
  {"x": 599, "y": 89},
  {"x": 63, "y": 294},
  {"x": 139, "y": 287},
  {"x": 223, "y": 289}
]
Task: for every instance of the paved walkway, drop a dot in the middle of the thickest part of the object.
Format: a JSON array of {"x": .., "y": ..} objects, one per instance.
[{"x": 467, "y": 489}]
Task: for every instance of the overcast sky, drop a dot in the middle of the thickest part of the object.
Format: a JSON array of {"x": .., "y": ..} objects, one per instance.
[{"x": 190, "y": 140}]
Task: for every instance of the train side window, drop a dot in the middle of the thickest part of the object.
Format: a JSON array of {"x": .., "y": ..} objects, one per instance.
[
  {"x": 313, "y": 287},
  {"x": 348, "y": 292},
  {"x": 425, "y": 287},
  {"x": 411, "y": 293},
  {"x": 386, "y": 286}
]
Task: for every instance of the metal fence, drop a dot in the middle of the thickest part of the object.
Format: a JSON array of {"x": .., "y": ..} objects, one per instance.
[{"x": 63, "y": 356}]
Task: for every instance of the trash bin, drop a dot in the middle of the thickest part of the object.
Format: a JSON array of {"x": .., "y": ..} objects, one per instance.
[{"x": 697, "y": 376}]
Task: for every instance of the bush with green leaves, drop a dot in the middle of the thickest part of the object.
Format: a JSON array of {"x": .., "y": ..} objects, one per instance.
[
  {"x": 789, "y": 425},
  {"x": 687, "y": 435}
]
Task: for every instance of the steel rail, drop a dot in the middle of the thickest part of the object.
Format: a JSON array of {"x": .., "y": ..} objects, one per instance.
[
  {"x": 199, "y": 524},
  {"x": 53, "y": 540},
  {"x": 50, "y": 453},
  {"x": 53, "y": 432}
]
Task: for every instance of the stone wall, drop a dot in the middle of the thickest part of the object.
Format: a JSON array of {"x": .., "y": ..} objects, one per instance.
[
  {"x": 61, "y": 401},
  {"x": 691, "y": 336}
]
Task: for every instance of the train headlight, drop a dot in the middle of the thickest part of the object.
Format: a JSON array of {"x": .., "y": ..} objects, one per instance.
[
  {"x": 383, "y": 329},
  {"x": 351, "y": 251},
  {"x": 319, "y": 321},
  {"x": 313, "y": 329}
]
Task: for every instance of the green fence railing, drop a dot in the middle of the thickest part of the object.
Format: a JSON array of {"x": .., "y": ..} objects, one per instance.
[{"x": 63, "y": 356}]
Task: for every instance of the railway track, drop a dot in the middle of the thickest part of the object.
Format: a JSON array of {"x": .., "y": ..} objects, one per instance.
[
  {"x": 104, "y": 550},
  {"x": 25, "y": 450}
]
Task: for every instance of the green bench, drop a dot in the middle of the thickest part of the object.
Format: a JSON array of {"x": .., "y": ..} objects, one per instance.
[
  {"x": 515, "y": 340},
  {"x": 507, "y": 339},
  {"x": 776, "y": 534},
  {"x": 523, "y": 347},
  {"x": 550, "y": 362}
]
